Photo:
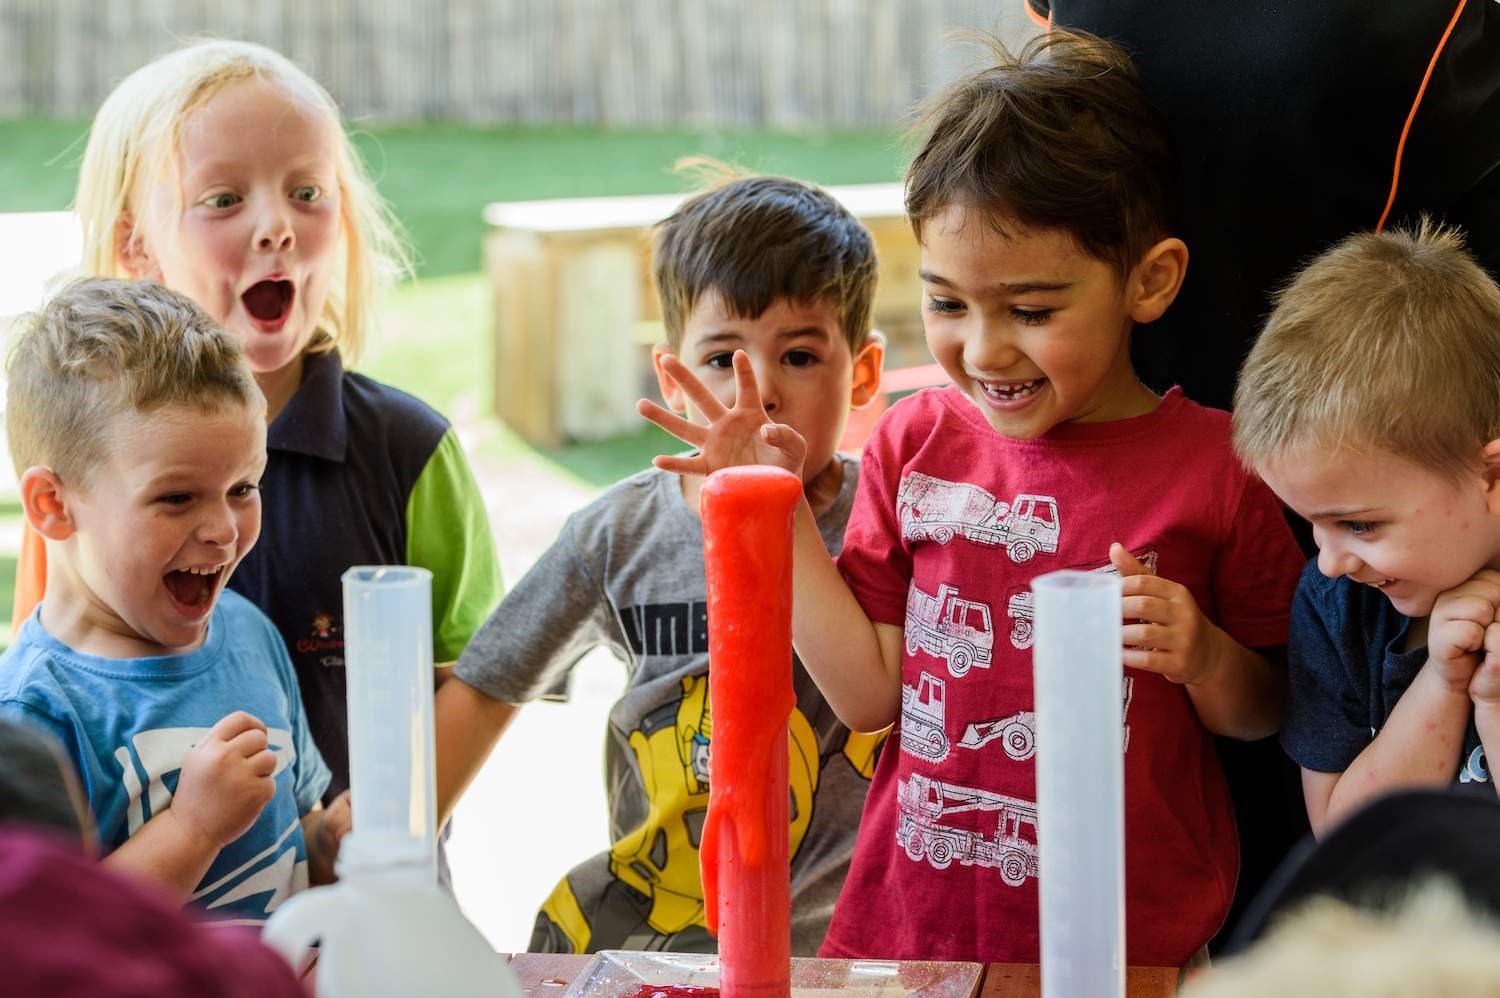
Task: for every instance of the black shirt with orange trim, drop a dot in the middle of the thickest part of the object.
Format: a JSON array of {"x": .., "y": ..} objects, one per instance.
[{"x": 1286, "y": 119}]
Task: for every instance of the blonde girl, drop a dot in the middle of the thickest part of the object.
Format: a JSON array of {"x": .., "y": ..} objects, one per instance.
[{"x": 224, "y": 171}]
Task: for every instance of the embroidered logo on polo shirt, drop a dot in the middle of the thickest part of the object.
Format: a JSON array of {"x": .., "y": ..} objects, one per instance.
[{"x": 324, "y": 638}]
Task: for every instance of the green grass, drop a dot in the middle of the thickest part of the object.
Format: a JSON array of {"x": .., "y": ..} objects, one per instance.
[
  {"x": 438, "y": 178},
  {"x": 436, "y": 340}
]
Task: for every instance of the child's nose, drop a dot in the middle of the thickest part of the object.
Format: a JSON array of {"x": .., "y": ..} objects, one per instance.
[
  {"x": 1335, "y": 561},
  {"x": 769, "y": 386},
  {"x": 990, "y": 347},
  {"x": 273, "y": 230},
  {"x": 217, "y": 526}
]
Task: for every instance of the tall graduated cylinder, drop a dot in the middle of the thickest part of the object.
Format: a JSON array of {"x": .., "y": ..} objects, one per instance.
[
  {"x": 1077, "y": 658},
  {"x": 388, "y": 647}
]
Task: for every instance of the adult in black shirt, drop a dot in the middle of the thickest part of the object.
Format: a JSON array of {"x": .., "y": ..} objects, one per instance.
[{"x": 1295, "y": 123}]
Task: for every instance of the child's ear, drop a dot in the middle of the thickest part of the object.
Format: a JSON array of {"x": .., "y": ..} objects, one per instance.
[
  {"x": 1491, "y": 458},
  {"x": 43, "y": 497},
  {"x": 868, "y": 363},
  {"x": 1157, "y": 278},
  {"x": 671, "y": 391},
  {"x": 131, "y": 254}
]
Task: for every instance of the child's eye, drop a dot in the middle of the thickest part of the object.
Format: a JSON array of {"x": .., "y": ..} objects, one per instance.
[
  {"x": 1031, "y": 316},
  {"x": 801, "y": 358},
  {"x": 943, "y": 305},
  {"x": 308, "y": 193},
  {"x": 1357, "y": 527},
  {"x": 244, "y": 490},
  {"x": 721, "y": 360},
  {"x": 175, "y": 498},
  {"x": 222, "y": 200}
]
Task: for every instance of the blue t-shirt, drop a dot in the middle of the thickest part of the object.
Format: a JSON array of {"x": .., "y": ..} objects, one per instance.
[
  {"x": 127, "y": 725},
  {"x": 1348, "y": 667}
]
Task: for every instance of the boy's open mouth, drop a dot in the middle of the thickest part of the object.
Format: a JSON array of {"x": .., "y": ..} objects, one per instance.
[
  {"x": 269, "y": 301},
  {"x": 1012, "y": 391},
  {"x": 193, "y": 587}
]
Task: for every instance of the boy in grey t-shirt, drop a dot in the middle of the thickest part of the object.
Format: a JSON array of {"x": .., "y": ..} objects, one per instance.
[{"x": 780, "y": 270}]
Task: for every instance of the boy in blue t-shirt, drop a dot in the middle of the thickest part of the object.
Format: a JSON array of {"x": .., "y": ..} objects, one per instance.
[{"x": 138, "y": 435}]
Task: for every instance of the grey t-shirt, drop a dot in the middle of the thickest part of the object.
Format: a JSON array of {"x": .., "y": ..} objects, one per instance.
[{"x": 627, "y": 573}]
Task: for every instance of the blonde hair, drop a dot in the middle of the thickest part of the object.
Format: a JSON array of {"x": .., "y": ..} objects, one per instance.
[
  {"x": 1433, "y": 944},
  {"x": 1386, "y": 343},
  {"x": 103, "y": 346},
  {"x": 134, "y": 142}
]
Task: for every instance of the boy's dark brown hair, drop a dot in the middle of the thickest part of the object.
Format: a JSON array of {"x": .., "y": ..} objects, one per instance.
[
  {"x": 1058, "y": 136},
  {"x": 756, "y": 240}
]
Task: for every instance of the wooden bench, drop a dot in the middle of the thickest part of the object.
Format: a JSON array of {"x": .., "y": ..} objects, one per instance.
[{"x": 575, "y": 312}]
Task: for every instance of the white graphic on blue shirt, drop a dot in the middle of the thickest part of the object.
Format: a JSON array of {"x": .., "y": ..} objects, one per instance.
[
  {"x": 933, "y": 509},
  {"x": 1476, "y": 767}
]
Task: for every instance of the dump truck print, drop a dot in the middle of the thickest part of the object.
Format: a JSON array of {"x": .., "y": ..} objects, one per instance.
[
  {"x": 948, "y": 627},
  {"x": 920, "y": 831},
  {"x": 934, "y": 509}
]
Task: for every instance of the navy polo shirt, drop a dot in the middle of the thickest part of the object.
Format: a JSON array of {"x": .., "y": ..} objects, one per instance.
[{"x": 359, "y": 473}]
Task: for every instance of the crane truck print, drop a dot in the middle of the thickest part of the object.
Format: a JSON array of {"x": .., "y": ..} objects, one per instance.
[
  {"x": 933, "y": 509},
  {"x": 923, "y": 802}
]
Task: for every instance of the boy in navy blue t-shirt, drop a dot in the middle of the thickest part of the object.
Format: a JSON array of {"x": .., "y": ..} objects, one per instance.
[{"x": 1369, "y": 405}]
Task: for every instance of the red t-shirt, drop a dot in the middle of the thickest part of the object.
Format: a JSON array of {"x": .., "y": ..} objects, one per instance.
[
  {"x": 72, "y": 927},
  {"x": 950, "y": 524}
]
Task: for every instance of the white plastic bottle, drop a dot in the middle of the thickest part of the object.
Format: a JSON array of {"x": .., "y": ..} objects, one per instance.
[{"x": 386, "y": 928}]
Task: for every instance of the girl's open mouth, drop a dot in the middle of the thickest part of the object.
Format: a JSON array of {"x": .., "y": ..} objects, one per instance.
[{"x": 269, "y": 301}]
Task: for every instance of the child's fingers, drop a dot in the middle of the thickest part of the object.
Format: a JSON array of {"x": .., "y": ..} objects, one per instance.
[
  {"x": 249, "y": 743},
  {"x": 263, "y": 763},
  {"x": 746, "y": 391},
  {"x": 1127, "y": 564},
  {"x": 1148, "y": 607},
  {"x": 231, "y": 725},
  {"x": 679, "y": 464},
  {"x": 1146, "y": 636},
  {"x": 707, "y": 402},
  {"x": 670, "y": 421}
]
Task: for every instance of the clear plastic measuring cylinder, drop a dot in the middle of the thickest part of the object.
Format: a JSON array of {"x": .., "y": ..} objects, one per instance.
[
  {"x": 388, "y": 659},
  {"x": 1080, "y": 783}
]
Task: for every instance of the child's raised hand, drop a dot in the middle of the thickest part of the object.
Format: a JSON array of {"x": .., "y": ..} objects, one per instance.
[
  {"x": 1164, "y": 631},
  {"x": 226, "y": 780},
  {"x": 737, "y": 435},
  {"x": 1462, "y": 629}
]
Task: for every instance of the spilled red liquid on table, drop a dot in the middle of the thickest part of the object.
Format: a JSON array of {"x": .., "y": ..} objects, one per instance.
[{"x": 673, "y": 991}]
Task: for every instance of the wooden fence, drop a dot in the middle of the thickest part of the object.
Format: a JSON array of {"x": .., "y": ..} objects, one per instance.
[{"x": 778, "y": 63}]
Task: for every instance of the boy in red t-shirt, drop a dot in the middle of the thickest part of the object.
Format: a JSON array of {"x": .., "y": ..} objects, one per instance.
[{"x": 1037, "y": 199}]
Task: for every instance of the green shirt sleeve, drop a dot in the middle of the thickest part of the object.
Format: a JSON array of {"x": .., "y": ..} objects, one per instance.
[{"x": 448, "y": 533}]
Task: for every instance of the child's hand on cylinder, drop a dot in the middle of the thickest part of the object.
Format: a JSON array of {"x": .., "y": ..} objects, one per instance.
[
  {"x": 736, "y": 435},
  {"x": 227, "y": 779},
  {"x": 1164, "y": 631},
  {"x": 323, "y": 829}
]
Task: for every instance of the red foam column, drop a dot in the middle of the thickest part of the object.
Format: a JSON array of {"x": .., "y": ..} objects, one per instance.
[{"x": 747, "y": 533}]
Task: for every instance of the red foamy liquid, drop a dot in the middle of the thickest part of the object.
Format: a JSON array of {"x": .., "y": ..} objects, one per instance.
[{"x": 747, "y": 541}]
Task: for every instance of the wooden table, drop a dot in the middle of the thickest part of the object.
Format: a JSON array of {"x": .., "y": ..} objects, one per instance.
[{"x": 547, "y": 975}]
